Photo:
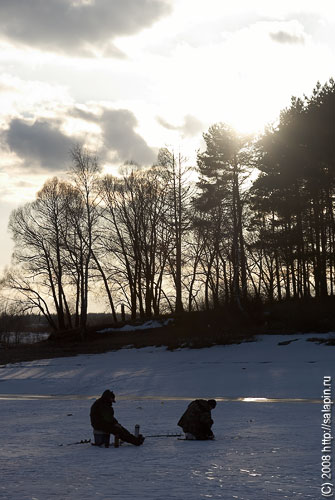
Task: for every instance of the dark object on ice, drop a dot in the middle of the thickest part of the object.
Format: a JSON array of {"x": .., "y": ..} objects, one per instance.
[
  {"x": 197, "y": 421},
  {"x": 104, "y": 423},
  {"x": 82, "y": 441}
]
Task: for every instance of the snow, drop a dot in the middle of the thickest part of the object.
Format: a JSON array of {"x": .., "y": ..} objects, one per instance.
[
  {"x": 263, "y": 449},
  {"x": 148, "y": 325}
]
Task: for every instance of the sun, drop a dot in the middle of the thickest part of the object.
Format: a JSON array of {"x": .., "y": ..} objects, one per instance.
[{"x": 249, "y": 119}]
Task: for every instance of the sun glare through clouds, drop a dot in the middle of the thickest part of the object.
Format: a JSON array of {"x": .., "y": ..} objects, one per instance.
[{"x": 127, "y": 78}]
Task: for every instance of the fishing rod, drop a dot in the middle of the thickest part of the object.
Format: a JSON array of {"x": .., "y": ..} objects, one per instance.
[{"x": 163, "y": 435}]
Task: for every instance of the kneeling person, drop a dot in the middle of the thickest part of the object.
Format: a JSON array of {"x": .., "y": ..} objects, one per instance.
[
  {"x": 104, "y": 423},
  {"x": 197, "y": 421}
]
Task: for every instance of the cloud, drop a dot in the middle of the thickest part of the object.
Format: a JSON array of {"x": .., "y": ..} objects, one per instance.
[
  {"x": 80, "y": 113},
  {"x": 119, "y": 135},
  {"x": 81, "y": 27},
  {"x": 41, "y": 145},
  {"x": 120, "y": 140},
  {"x": 284, "y": 37},
  {"x": 288, "y": 32},
  {"x": 191, "y": 126},
  {"x": 166, "y": 124},
  {"x": 5, "y": 88}
]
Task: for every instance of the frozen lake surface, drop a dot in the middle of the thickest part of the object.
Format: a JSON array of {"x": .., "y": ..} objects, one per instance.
[{"x": 263, "y": 450}]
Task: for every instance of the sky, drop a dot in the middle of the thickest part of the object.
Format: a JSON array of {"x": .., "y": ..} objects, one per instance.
[{"x": 125, "y": 78}]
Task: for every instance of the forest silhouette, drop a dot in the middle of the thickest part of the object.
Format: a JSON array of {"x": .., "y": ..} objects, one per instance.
[{"x": 256, "y": 226}]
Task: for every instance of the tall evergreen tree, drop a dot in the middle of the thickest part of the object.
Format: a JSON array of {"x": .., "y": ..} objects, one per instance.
[
  {"x": 223, "y": 167},
  {"x": 294, "y": 192}
]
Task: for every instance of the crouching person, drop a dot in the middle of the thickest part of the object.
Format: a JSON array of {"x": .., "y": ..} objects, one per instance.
[
  {"x": 197, "y": 421},
  {"x": 104, "y": 423}
]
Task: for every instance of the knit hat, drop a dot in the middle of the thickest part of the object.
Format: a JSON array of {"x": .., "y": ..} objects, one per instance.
[
  {"x": 107, "y": 394},
  {"x": 212, "y": 403}
]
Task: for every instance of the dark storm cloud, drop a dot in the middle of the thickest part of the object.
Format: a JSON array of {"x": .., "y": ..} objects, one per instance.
[
  {"x": 189, "y": 128},
  {"x": 41, "y": 144},
  {"x": 78, "y": 27},
  {"x": 284, "y": 37},
  {"x": 120, "y": 138}
]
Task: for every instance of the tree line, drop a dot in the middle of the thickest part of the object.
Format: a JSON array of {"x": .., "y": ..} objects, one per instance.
[{"x": 171, "y": 238}]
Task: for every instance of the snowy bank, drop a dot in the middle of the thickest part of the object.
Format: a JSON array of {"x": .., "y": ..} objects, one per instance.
[
  {"x": 148, "y": 325},
  {"x": 263, "y": 368}
]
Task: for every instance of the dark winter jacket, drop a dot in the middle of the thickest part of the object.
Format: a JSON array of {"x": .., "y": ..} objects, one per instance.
[
  {"x": 102, "y": 415},
  {"x": 197, "y": 419}
]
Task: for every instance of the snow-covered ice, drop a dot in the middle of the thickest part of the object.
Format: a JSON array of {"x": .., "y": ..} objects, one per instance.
[{"x": 263, "y": 450}]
